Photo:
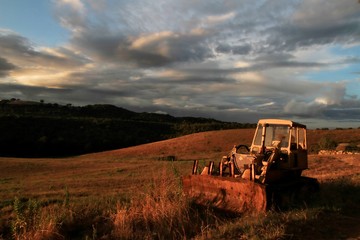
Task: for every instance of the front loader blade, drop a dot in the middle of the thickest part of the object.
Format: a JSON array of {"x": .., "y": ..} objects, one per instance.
[{"x": 226, "y": 193}]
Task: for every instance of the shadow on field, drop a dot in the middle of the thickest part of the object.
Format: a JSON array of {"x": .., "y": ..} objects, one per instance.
[{"x": 334, "y": 212}]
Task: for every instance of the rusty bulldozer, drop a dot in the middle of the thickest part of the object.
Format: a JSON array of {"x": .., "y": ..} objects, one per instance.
[{"x": 267, "y": 175}]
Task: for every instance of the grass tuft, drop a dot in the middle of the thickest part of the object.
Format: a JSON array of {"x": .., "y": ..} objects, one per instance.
[
  {"x": 32, "y": 222},
  {"x": 162, "y": 212}
]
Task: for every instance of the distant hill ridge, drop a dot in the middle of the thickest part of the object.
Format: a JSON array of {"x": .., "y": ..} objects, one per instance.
[
  {"x": 32, "y": 108},
  {"x": 39, "y": 129}
]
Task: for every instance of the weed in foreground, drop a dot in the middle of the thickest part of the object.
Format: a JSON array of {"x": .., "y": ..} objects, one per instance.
[
  {"x": 32, "y": 222},
  {"x": 160, "y": 213}
]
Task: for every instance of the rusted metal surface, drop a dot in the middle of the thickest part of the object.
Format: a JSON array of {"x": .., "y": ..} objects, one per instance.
[{"x": 226, "y": 193}]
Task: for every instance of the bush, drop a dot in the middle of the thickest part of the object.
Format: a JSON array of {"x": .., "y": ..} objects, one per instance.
[{"x": 326, "y": 143}]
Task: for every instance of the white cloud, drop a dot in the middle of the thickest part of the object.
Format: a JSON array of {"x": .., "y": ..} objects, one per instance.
[
  {"x": 266, "y": 104},
  {"x": 302, "y": 108},
  {"x": 331, "y": 94},
  {"x": 218, "y": 19},
  {"x": 241, "y": 64},
  {"x": 76, "y": 5},
  {"x": 72, "y": 15},
  {"x": 151, "y": 39},
  {"x": 168, "y": 74},
  {"x": 244, "y": 77}
]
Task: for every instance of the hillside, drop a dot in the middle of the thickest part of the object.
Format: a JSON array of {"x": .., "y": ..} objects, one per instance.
[
  {"x": 38, "y": 129},
  {"x": 207, "y": 145},
  {"x": 79, "y": 196}
]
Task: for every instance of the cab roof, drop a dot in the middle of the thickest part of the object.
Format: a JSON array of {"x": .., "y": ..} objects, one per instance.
[{"x": 281, "y": 122}]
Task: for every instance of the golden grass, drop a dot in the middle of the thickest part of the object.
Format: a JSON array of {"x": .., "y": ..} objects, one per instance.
[
  {"x": 130, "y": 194},
  {"x": 162, "y": 212},
  {"x": 33, "y": 222}
]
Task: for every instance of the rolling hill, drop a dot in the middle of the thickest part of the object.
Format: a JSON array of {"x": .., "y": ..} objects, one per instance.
[
  {"x": 217, "y": 143},
  {"x": 86, "y": 190},
  {"x": 38, "y": 129}
]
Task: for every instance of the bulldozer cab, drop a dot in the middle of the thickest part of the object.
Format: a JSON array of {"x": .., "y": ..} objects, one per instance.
[{"x": 287, "y": 137}]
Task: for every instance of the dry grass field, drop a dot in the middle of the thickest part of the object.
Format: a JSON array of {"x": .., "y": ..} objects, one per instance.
[{"x": 135, "y": 193}]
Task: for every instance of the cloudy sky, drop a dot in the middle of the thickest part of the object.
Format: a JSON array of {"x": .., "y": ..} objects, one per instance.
[{"x": 232, "y": 60}]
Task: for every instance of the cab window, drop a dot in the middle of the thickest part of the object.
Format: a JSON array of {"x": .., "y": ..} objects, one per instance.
[
  {"x": 257, "y": 140},
  {"x": 277, "y": 133}
]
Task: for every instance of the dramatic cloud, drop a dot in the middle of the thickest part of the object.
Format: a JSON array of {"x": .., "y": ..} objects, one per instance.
[
  {"x": 5, "y": 67},
  {"x": 230, "y": 60},
  {"x": 38, "y": 66}
]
